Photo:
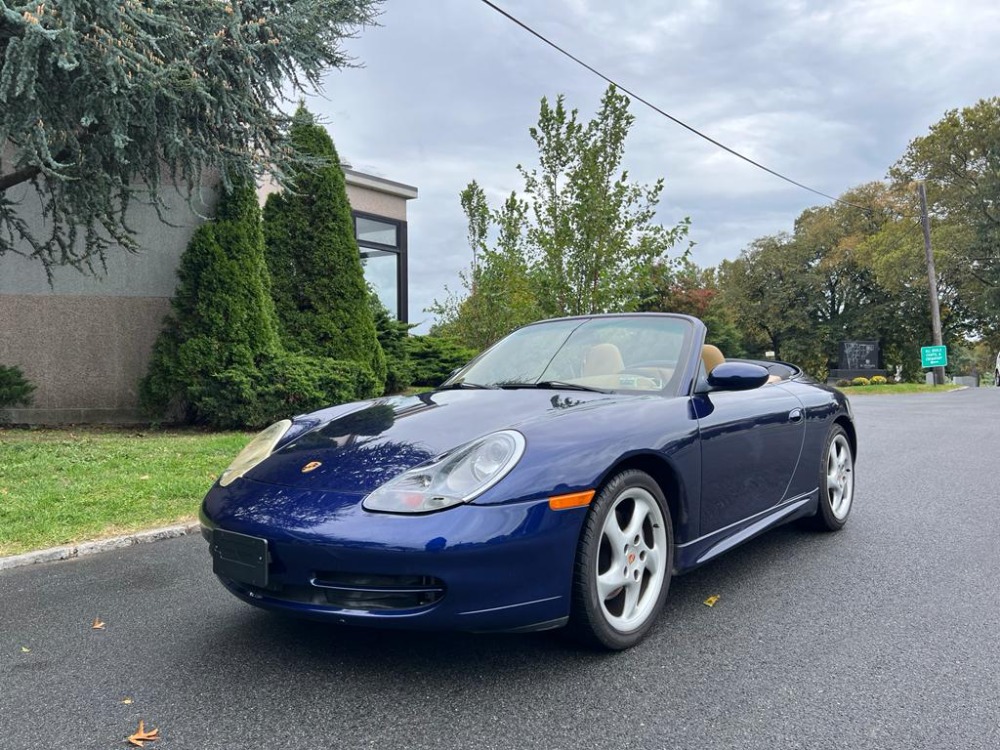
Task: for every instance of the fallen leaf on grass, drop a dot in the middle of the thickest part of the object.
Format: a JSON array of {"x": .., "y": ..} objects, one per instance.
[
  {"x": 144, "y": 476},
  {"x": 98, "y": 625},
  {"x": 142, "y": 736},
  {"x": 710, "y": 602}
]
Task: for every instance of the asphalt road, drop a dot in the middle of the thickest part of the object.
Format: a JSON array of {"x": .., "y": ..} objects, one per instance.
[{"x": 885, "y": 635}]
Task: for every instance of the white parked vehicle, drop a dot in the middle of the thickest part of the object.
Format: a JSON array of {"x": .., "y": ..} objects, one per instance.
[{"x": 996, "y": 372}]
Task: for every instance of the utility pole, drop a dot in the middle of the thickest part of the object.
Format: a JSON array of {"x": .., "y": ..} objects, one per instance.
[{"x": 931, "y": 278}]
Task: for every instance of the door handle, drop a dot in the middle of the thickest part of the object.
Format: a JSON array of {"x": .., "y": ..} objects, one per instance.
[{"x": 795, "y": 415}]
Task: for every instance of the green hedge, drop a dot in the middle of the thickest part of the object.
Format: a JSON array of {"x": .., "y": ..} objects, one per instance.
[
  {"x": 287, "y": 385},
  {"x": 392, "y": 336},
  {"x": 15, "y": 390},
  {"x": 434, "y": 358}
]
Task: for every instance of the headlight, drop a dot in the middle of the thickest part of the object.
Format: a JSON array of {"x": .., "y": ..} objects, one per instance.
[
  {"x": 256, "y": 451},
  {"x": 457, "y": 478}
]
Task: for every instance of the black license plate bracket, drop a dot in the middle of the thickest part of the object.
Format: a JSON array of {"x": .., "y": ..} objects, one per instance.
[{"x": 240, "y": 557}]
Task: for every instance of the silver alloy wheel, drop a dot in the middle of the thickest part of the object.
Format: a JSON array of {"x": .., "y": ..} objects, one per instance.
[
  {"x": 839, "y": 477},
  {"x": 631, "y": 562}
]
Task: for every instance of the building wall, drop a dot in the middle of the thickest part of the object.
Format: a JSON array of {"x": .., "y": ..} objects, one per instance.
[
  {"x": 84, "y": 353},
  {"x": 372, "y": 202},
  {"x": 85, "y": 340},
  {"x": 376, "y": 195}
]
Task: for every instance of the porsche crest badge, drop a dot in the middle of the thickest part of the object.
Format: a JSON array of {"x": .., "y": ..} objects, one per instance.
[{"x": 311, "y": 466}]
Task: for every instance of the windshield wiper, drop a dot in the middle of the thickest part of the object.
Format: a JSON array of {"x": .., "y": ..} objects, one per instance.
[
  {"x": 556, "y": 385},
  {"x": 463, "y": 384}
]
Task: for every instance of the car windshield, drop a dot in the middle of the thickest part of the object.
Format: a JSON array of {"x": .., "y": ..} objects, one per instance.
[{"x": 626, "y": 353}]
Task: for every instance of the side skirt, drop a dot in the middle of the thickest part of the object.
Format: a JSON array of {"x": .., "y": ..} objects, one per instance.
[
  {"x": 699, "y": 551},
  {"x": 559, "y": 622}
]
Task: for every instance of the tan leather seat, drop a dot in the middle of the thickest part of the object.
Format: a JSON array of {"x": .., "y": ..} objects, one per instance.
[
  {"x": 711, "y": 357},
  {"x": 602, "y": 359}
]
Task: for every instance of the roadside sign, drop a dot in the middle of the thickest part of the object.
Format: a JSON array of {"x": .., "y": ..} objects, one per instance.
[{"x": 933, "y": 356}]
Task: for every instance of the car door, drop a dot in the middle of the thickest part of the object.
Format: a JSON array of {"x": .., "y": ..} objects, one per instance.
[{"x": 750, "y": 446}]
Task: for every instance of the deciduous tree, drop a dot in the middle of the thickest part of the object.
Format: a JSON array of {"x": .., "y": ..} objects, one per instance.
[
  {"x": 498, "y": 292},
  {"x": 959, "y": 159},
  {"x": 683, "y": 287},
  {"x": 581, "y": 238},
  {"x": 772, "y": 290},
  {"x": 593, "y": 238}
]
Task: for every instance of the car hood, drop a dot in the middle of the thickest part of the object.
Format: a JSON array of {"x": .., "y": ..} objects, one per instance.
[{"x": 357, "y": 451}]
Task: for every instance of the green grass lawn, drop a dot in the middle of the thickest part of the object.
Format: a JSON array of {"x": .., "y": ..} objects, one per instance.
[
  {"x": 59, "y": 486},
  {"x": 859, "y": 390}
]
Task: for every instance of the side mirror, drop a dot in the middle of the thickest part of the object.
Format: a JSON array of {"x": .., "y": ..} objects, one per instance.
[{"x": 737, "y": 376}]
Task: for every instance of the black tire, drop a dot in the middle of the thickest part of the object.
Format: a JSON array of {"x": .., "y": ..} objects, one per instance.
[
  {"x": 831, "y": 515},
  {"x": 594, "y": 620},
  {"x": 996, "y": 378}
]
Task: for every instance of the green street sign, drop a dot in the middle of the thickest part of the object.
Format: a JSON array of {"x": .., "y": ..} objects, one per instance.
[{"x": 933, "y": 356}]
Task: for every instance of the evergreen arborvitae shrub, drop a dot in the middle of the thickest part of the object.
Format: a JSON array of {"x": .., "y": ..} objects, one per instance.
[
  {"x": 317, "y": 279},
  {"x": 222, "y": 320},
  {"x": 15, "y": 390},
  {"x": 219, "y": 360},
  {"x": 434, "y": 358}
]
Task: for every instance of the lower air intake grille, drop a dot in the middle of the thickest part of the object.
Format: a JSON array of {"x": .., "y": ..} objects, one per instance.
[{"x": 365, "y": 591}]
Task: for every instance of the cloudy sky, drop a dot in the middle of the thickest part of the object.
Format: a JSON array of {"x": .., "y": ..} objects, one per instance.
[{"x": 828, "y": 93}]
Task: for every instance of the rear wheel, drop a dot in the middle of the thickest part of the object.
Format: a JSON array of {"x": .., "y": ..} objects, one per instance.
[
  {"x": 996, "y": 378},
  {"x": 836, "y": 482},
  {"x": 624, "y": 563}
]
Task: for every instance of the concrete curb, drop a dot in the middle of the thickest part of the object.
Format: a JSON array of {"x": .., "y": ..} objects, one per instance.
[{"x": 101, "y": 545}]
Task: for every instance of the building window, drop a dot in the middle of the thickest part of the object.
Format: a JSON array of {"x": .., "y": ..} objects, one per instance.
[
  {"x": 382, "y": 274},
  {"x": 376, "y": 232},
  {"x": 382, "y": 243}
]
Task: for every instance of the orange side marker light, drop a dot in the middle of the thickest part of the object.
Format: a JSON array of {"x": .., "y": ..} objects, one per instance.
[{"x": 572, "y": 500}]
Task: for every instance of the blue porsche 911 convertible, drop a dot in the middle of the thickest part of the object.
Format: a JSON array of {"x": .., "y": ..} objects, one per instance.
[{"x": 559, "y": 479}]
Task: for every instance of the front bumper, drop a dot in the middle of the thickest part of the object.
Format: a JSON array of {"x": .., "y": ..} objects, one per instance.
[{"x": 476, "y": 568}]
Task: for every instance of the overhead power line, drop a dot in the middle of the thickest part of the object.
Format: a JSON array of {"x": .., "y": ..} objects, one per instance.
[{"x": 669, "y": 116}]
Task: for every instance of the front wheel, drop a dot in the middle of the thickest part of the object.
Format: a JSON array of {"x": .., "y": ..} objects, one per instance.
[
  {"x": 836, "y": 482},
  {"x": 624, "y": 563},
  {"x": 996, "y": 378}
]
